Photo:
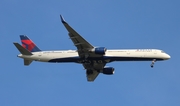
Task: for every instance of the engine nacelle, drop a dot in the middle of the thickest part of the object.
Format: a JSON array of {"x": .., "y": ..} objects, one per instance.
[
  {"x": 108, "y": 71},
  {"x": 99, "y": 50}
]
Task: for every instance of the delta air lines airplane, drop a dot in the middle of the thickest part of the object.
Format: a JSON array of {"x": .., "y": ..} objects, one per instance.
[{"x": 93, "y": 59}]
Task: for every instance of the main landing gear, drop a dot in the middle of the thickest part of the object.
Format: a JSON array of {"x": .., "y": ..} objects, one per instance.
[{"x": 152, "y": 64}]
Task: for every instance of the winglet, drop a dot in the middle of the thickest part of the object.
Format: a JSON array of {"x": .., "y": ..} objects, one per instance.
[{"x": 62, "y": 19}]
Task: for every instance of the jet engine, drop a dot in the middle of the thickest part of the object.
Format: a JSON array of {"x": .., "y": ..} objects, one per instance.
[
  {"x": 108, "y": 70},
  {"x": 99, "y": 50}
]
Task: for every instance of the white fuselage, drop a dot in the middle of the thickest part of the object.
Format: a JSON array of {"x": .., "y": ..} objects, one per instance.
[{"x": 111, "y": 55}]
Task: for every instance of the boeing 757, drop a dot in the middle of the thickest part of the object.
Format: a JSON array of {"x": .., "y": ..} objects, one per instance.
[{"x": 93, "y": 59}]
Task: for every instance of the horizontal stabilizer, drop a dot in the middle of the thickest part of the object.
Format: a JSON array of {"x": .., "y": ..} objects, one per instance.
[
  {"x": 22, "y": 49},
  {"x": 27, "y": 62}
]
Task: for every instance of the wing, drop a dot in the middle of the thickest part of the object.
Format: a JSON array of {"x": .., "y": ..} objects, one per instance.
[
  {"x": 77, "y": 39},
  {"x": 91, "y": 75},
  {"x": 83, "y": 47},
  {"x": 93, "y": 70}
]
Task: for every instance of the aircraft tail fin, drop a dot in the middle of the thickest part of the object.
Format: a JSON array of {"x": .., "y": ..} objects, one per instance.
[
  {"x": 22, "y": 50},
  {"x": 28, "y": 44}
]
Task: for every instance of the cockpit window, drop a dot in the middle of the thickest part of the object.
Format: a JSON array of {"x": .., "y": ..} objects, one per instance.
[{"x": 162, "y": 51}]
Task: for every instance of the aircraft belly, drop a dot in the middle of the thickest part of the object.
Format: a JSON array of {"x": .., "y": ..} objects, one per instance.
[{"x": 65, "y": 59}]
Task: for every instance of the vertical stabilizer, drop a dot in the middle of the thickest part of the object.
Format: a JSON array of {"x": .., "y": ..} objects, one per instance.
[{"x": 29, "y": 44}]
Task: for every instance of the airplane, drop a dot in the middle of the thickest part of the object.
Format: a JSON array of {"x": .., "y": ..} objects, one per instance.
[{"x": 93, "y": 59}]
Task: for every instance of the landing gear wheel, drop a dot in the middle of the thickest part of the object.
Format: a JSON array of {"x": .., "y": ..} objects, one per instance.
[{"x": 152, "y": 66}]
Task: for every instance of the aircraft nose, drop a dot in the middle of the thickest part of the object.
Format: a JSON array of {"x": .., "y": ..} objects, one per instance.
[{"x": 168, "y": 56}]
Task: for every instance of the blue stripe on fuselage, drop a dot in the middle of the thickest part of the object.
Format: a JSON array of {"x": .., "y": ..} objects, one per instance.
[{"x": 77, "y": 59}]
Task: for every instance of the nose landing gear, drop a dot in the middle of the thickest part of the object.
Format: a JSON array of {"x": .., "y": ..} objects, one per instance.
[{"x": 152, "y": 64}]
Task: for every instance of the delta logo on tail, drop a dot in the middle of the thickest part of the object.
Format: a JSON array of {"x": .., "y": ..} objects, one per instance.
[{"x": 28, "y": 44}]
